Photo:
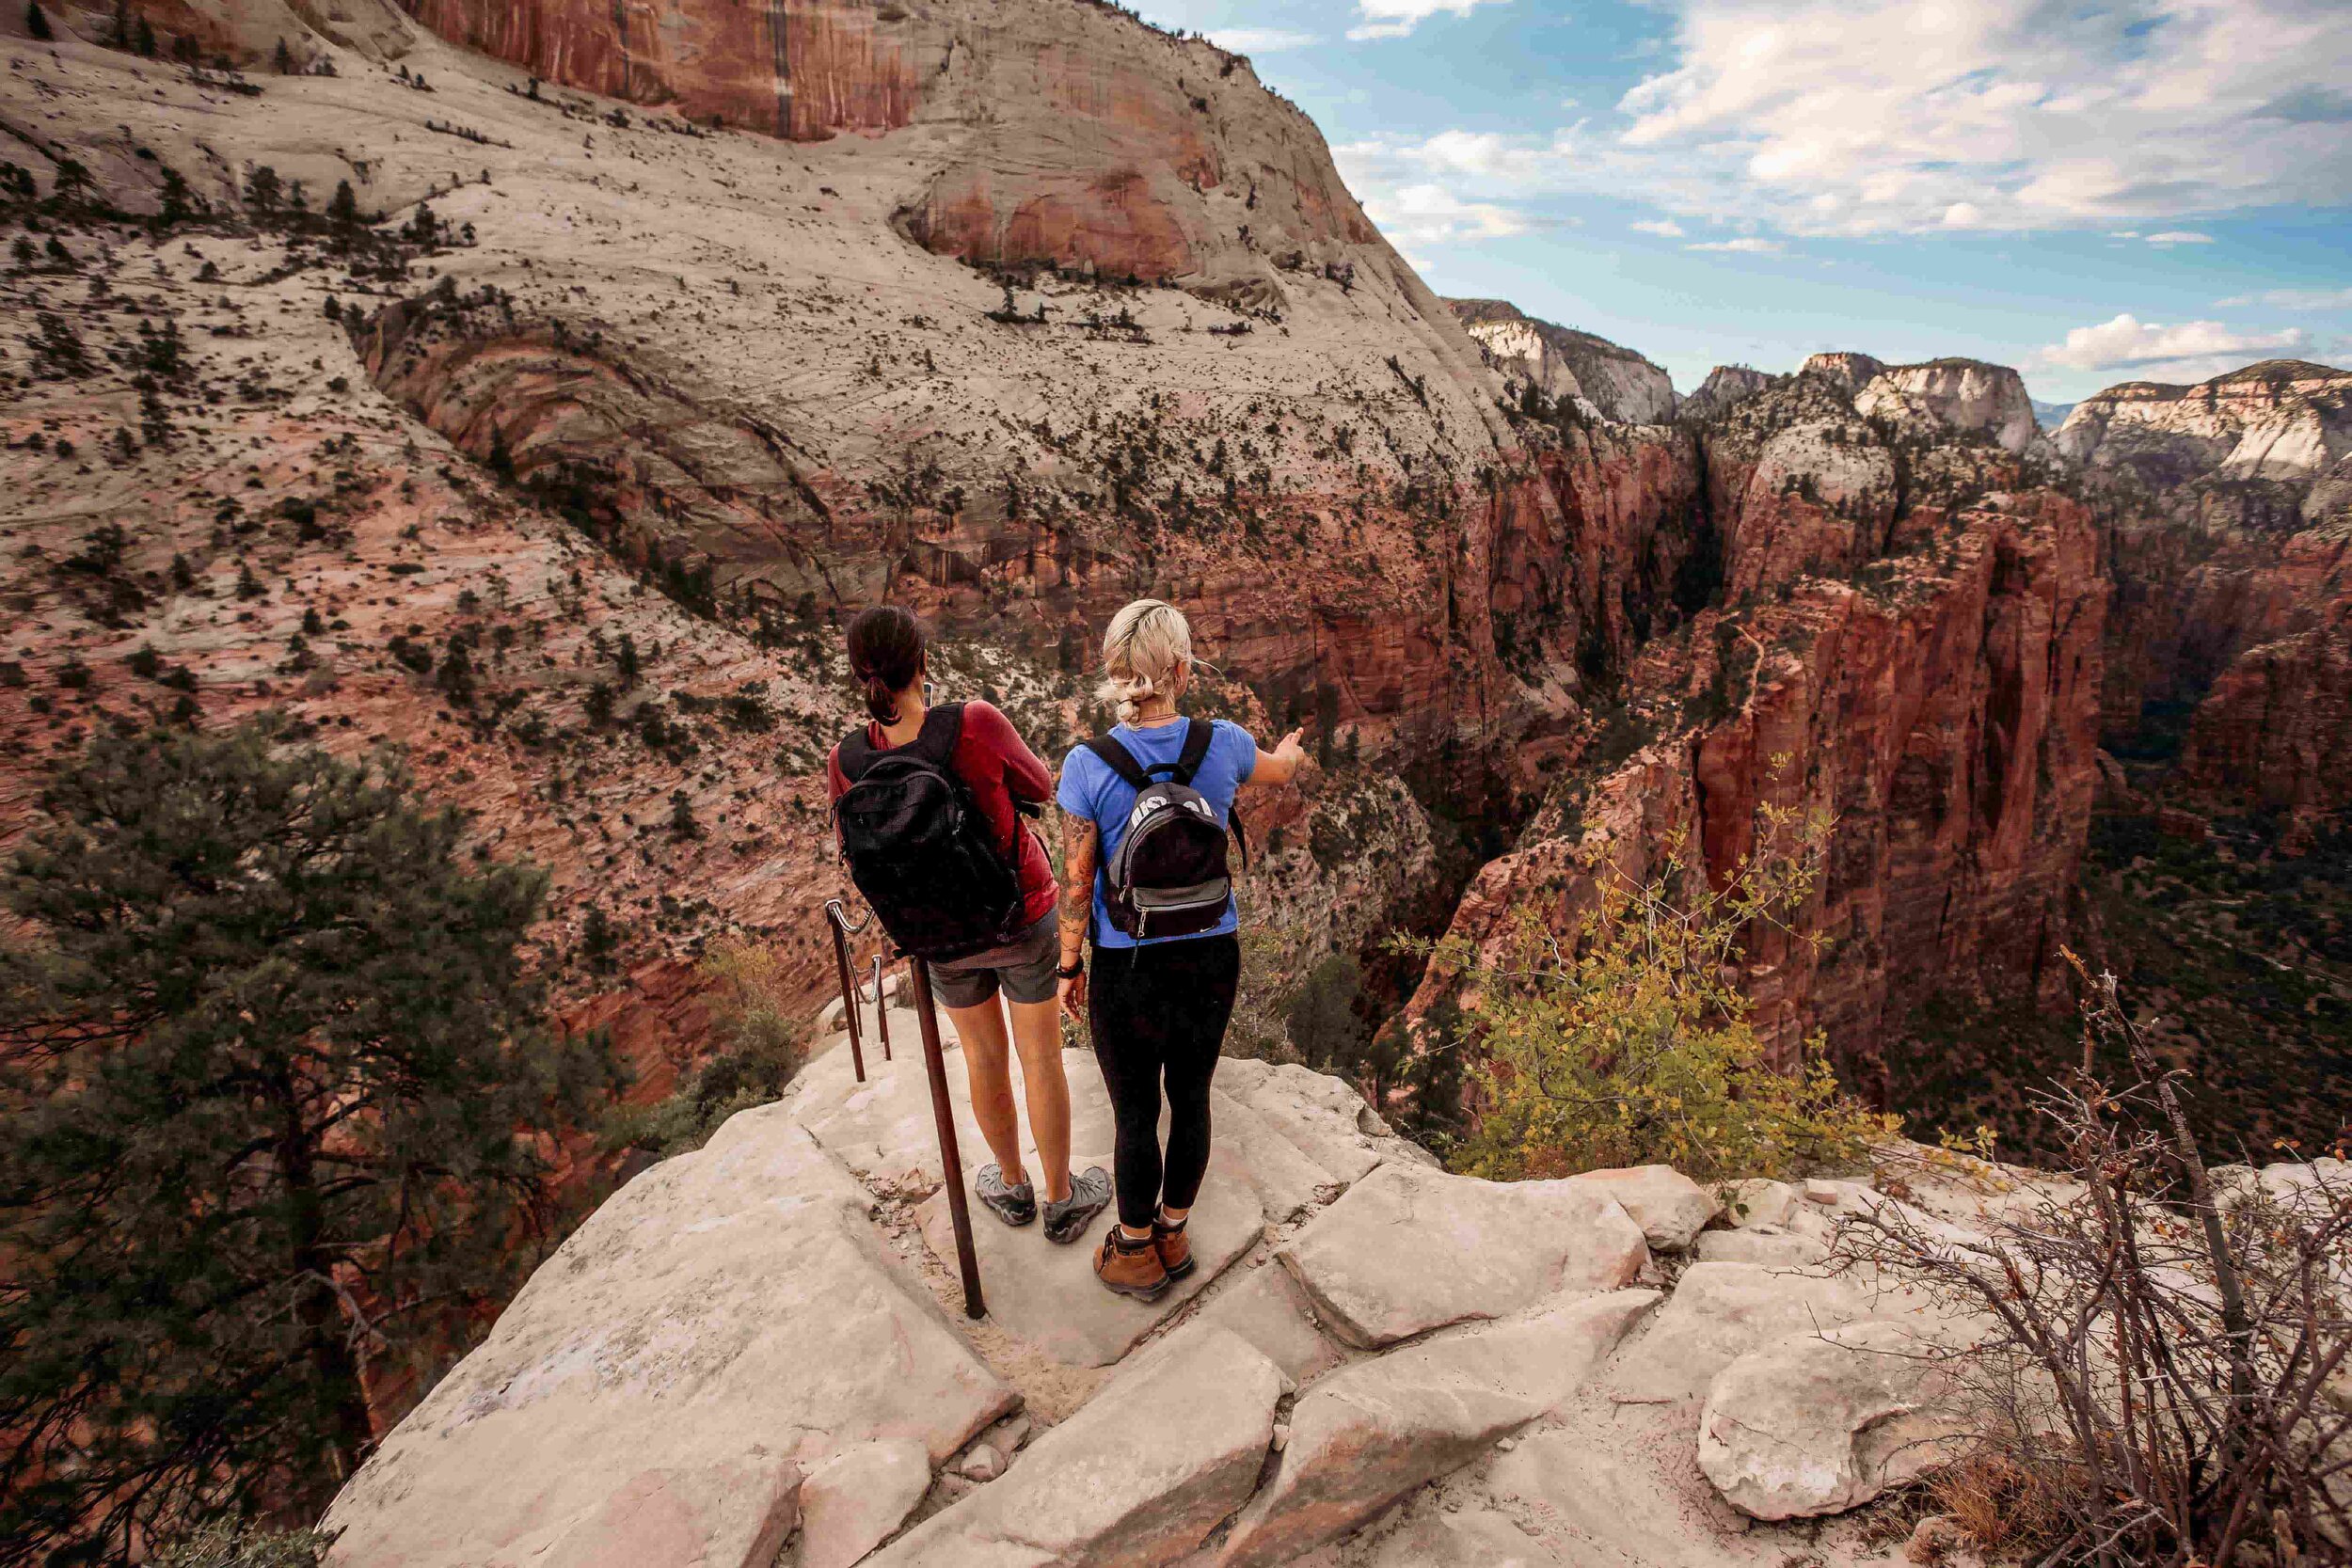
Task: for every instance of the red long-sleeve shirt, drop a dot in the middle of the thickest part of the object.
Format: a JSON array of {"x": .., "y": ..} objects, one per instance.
[{"x": 998, "y": 766}]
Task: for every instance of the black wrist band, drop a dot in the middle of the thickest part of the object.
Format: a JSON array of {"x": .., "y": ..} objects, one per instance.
[{"x": 1070, "y": 972}]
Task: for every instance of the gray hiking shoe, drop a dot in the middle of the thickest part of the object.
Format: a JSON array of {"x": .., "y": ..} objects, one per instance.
[
  {"x": 1013, "y": 1205},
  {"x": 1090, "y": 1195}
]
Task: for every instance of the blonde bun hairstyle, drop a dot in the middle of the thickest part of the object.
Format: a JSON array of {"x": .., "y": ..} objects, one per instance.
[{"x": 1145, "y": 653}]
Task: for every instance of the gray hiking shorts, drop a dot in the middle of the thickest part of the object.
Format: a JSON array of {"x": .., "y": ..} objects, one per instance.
[{"x": 1023, "y": 969}]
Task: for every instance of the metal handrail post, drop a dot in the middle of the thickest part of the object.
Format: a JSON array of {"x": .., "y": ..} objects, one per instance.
[
  {"x": 950, "y": 1160},
  {"x": 882, "y": 1010},
  {"x": 841, "y": 929}
]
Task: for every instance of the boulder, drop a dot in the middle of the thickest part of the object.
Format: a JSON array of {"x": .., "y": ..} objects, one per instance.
[
  {"x": 1718, "y": 1313},
  {"x": 732, "y": 1514},
  {"x": 1368, "y": 1434},
  {"x": 1408, "y": 1249},
  {"x": 1757, "y": 1201},
  {"x": 1136, "y": 1477},
  {"x": 1769, "y": 1244},
  {"x": 850, "y": 1503},
  {"x": 1616, "y": 1485},
  {"x": 1325, "y": 1118},
  {"x": 1268, "y": 1309},
  {"x": 1820, "y": 1423},
  {"x": 1288, "y": 1182},
  {"x": 1670, "y": 1208},
  {"x": 727, "y": 1316}
]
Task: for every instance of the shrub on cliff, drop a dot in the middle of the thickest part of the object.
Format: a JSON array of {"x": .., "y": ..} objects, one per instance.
[
  {"x": 276, "y": 1111},
  {"x": 1626, "y": 1041},
  {"x": 2162, "y": 1374},
  {"x": 760, "y": 1042}
]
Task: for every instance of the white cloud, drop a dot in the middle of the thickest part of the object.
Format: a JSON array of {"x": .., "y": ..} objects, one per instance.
[
  {"x": 2017, "y": 113},
  {"x": 1664, "y": 227},
  {"x": 1428, "y": 214},
  {"x": 1430, "y": 184},
  {"x": 2295, "y": 299},
  {"x": 1746, "y": 246},
  {"x": 2179, "y": 236},
  {"x": 2189, "y": 351},
  {"x": 1261, "y": 41},
  {"x": 1393, "y": 19}
]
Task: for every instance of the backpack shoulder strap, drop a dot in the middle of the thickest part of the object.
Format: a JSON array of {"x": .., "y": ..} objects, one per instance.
[
  {"x": 1120, "y": 761},
  {"x": 943, "y": 727},
  {"x": 856, "y": 754},
  {"x": 1199, "y": 733}
]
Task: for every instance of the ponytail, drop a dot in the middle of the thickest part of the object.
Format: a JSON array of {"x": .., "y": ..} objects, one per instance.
[{"x": 886, "y": 647}]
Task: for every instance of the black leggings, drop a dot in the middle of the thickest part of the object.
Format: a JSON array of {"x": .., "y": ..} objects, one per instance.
[{"x": 1160, "y": 1011}]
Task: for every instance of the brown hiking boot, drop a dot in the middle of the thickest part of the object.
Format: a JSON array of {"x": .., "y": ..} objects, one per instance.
[
  {"x": 1174, "y": 1248},
  {"x": 1130, "y": 1268}
]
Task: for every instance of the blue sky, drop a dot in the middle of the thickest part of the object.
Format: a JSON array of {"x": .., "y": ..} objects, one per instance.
[{"x": 2094, "y": 193}]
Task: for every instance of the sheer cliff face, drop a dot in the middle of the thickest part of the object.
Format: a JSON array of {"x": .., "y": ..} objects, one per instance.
[
  {"x": 2232, "y": 573},
  {"x": 1615, "y": 382},
  {"x": 804, "y": 69},
  {"x": 1909, "y": 645}
]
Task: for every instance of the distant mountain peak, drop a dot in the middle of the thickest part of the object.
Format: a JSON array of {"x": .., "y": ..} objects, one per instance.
[{"x": 1611, "y": 380}]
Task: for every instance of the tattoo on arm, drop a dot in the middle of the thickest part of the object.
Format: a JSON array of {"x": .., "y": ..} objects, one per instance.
[{"x": 1078, "y": 838}]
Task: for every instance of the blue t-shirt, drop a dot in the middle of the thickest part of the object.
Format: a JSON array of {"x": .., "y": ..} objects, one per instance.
[{"x": 1090, "y": 789}]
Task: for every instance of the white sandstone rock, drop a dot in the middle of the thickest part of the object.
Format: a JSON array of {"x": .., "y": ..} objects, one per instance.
[
  {"x": 1820, "y": 1423},
  {"x": 1138, "y": 1476},
  {"x": 852, "y": 1501},
  {"x": 1370, "y": 1433},
  {"x": 1718, "y": 1313},
  {"x": 1757, "y": 1201},
  {"x": 1408, "y": 1250},
  {"x": 1954, "y": 394},
  {"x": 1772, "y": 1245},
  {"x": 1670, "y": 1208},
  {"x": 725, "y": 1315},
  {"x": 1268, "y": 1309}
]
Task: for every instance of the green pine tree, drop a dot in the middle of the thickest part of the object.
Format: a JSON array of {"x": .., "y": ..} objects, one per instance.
[
  {"x": 37, "y": 20},
  {"x": 343, "y": 211},
  {"x": 276, "y": 1093},
  {"x": 143, "y": 39}
]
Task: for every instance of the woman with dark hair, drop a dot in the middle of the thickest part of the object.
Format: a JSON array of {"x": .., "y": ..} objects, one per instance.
[{"x": 999, "y": 777}]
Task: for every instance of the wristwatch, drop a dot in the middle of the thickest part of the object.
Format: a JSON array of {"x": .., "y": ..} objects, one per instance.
[{"x": 1070, "y": 972}]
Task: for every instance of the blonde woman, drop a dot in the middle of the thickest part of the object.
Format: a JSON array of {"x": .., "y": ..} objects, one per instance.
[{"x": 1145, "y": 812}]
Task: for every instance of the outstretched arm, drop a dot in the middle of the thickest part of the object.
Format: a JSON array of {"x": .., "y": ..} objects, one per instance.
[
  {"x": 1080, "y": 848},
  {"x": 1281, "y": 765}
]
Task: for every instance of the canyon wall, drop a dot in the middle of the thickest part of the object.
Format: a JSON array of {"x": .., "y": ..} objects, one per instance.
[
  {"x": 2234, "y": 500},
  {"x": 1910, "y": 650}
]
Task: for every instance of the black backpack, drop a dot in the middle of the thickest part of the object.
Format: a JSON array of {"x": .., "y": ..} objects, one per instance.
[
  {"x": 919, "y": 849},
  {"x": 1169, "y": 877}
]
